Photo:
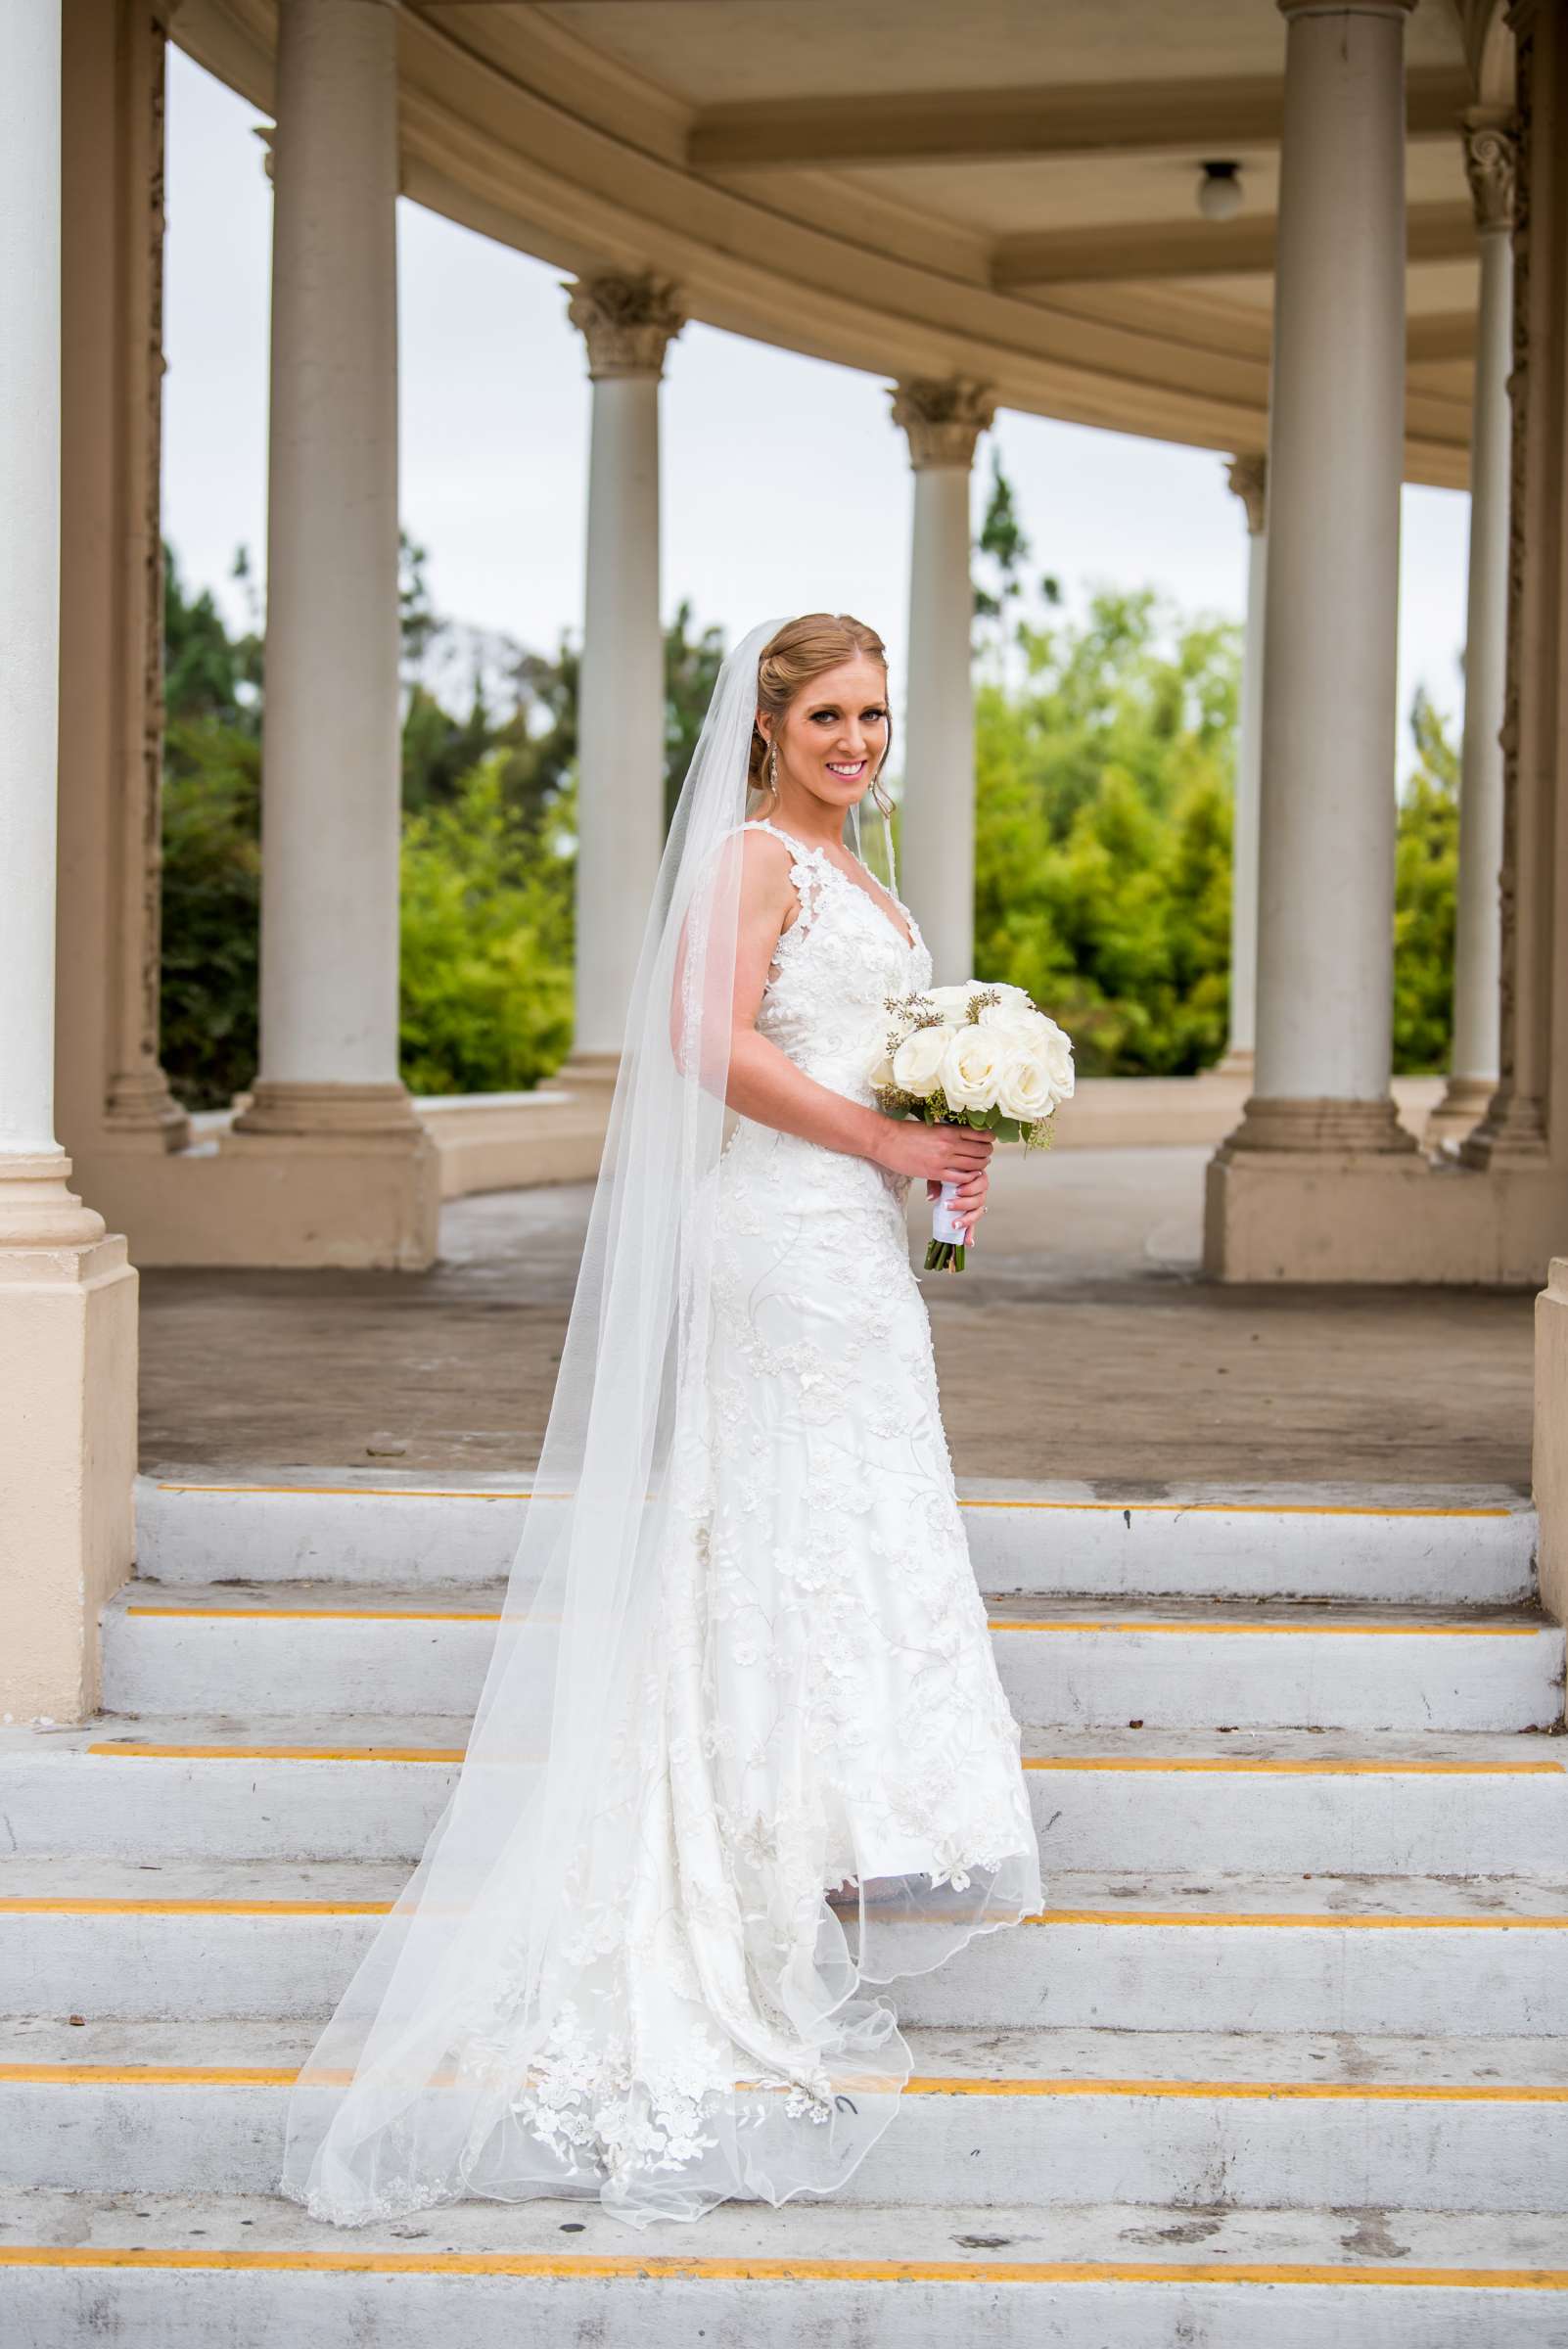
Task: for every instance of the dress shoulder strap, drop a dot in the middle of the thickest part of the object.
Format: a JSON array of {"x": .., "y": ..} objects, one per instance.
[
  {"x": 806, "y": 871},
  {"x": 761, "y": 823}
]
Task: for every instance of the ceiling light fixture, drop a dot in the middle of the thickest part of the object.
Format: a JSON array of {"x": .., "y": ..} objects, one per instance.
[{"x": 1219, "y": 191}]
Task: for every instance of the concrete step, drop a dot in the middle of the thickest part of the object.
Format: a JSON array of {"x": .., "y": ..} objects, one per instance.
[
  {"x": 1403, "y": 1955},
  {"x": 371, "y": 1787},
  {"x": 1457, "y": 1545},
  {"x": 286, "y": 1648},
  {"x": 1256, "y": 2121},
  {"x": 191, "y": 2272}
]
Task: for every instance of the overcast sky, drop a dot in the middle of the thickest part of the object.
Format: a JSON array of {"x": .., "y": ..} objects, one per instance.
[{"x": 785, "y": 486}]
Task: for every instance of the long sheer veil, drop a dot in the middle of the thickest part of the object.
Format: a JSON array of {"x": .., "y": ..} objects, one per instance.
[{"x": 481, "y": 2045}]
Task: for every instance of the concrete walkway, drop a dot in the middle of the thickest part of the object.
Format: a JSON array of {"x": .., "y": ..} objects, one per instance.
[{"x": 1080, "y": 1343}]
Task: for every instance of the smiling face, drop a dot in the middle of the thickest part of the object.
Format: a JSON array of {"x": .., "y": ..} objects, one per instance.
[{"x": 834, "y": 735}]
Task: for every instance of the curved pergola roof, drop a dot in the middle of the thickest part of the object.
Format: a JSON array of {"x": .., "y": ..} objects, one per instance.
[{"x": 1004, "y": 190}]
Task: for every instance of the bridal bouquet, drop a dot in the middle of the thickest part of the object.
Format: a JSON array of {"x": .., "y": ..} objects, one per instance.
[{"x": 972, "y": 1055}]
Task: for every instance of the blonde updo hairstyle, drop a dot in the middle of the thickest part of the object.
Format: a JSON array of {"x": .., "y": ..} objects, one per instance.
[{"x": 804, "y": 648}]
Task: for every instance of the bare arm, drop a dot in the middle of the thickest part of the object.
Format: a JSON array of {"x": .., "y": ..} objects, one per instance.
[{"x": 766, "y": 1085}]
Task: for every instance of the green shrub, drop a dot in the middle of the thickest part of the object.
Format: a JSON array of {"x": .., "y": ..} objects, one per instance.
[
  {"x": 211, "y": 910},
  {"x": 486, "y": 943}
]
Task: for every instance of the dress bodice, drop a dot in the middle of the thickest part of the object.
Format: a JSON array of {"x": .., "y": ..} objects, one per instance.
[{"x": 834, "y": 968}]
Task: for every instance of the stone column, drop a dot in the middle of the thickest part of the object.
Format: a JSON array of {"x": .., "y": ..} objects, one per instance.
[
  {"x": 1489, "y": 154},
  {"x": 1525, "y": 1129},
  {"x": 68, "y": 1297},
  {"x": 627, "y": 323},
  {"x": 1335, "y": 458},
  {"x": 331, "y": 753},
  {"x": 937, "y": 867},
  {"x": 1247, "y": 476},
  {"x": 1522, "y": 1142},
  {"x": 113, "y": 1098}
]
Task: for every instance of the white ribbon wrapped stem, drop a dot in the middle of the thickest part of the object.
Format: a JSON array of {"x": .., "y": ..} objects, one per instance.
[{"x": 945, "y": 1223}]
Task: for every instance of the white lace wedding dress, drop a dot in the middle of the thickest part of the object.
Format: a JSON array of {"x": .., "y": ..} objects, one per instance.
[
  {"x": 813, "y": 1706},
  {"x": 825, "y": 1708}
]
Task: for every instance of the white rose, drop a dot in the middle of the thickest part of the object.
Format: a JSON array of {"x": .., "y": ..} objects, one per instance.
[
  {"x": 881, "y": 1076},
  {"x": 969, "y": 1067},
  {"x": 1019, "y": 1023},
  {"x": 918, "y": 1063},
  {"x": 1055, "y": 1048},
  {"x": 1024, "y": 1088}
]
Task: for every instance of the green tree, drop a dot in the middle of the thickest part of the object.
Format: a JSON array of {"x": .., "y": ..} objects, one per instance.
[
  {"x": 1103, "y": 831},
  {"x": 212, "y": 879},
  {"x": 208, "y": 675},
  {"x": 999, "y": 583},
  {"x": 1426, "y": 868},
  {"x": 486, "y": 943},
  {"x": 692, "y": 663},
  {"x": 489, "y": 841},
  {"x": 212, "y": 886}
]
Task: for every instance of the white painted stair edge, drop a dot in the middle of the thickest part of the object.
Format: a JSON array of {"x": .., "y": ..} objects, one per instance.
[
  {"x": 1406, "y": 1955},
  {"x": 1255, "y": 2120},
  {"x": 345, "y": 1787},
  {"x": 186, "y": 2273},
  {"x": 1458, "y": 1545},
  {"x": 1177, "y": 1664}
]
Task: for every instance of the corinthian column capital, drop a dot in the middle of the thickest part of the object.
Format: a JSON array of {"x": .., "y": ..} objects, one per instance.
[
  {"x": 627, "y": 321},
  {"x": 943, "y": 418},
  {"x": 1491, "y": 164},
  {"x": 1247, "y": 476}
]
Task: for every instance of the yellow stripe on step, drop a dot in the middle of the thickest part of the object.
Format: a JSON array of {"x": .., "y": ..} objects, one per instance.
[
  {"x": 180, "y": 2075},
  {"x": 1113, "y": 1508},
  {"x": 655, "y": 2268},
  {"x": 386, "y": 1493},
  {"x": 1262, "y": 1765},
  {"x": 149, "y": 2075},
  {"x": 1204, "y": 1630},
  {"x": 71, "y": 1905},
  {"x": 1197, "y": 1627},
  {"x": 1248, "y": 2091},
  {"x": 324, "y": 1613},
  {"x": 1249, "y": 1508},
  {"x": 123, "y": 1750},
  {"x": 1317, "y": 1919}
]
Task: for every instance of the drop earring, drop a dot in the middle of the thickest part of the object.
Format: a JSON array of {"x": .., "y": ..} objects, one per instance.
[{"x": 772, "y": 768}]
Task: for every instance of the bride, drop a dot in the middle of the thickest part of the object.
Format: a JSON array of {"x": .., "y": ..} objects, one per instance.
[{"x": 742, "y": 1753}]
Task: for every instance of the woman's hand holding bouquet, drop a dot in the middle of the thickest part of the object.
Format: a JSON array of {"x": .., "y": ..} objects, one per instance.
[{"x": 974, "y": 1056}]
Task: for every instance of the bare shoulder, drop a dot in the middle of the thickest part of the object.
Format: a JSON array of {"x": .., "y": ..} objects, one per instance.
[{"x": 766, "y": 861}]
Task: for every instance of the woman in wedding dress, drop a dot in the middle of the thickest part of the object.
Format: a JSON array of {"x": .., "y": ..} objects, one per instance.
[{"x": 742, "y": 1754}]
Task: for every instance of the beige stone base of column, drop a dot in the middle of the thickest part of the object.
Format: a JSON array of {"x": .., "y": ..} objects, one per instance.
[
  {"x": 1550, "y": 1456},
  {"x": 1462, "y": 1107},
  {"x": 1273, "y": 1123},
  {"x": 313, "y": 1175},
  {"x": 1370, "y": 1216},
  {"x": 142, "y": 1113},
  {"x": 283, "y": 1202},
  {"x": 308, "y": 1176},
  {"x": 517, "y": 1141},
  {"x": 1238, "y": 1062},
  {"x": 67, "y": 1439},
  {"x": 280, "y": 1105},
  {"x": 588, "y": 1072}
]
